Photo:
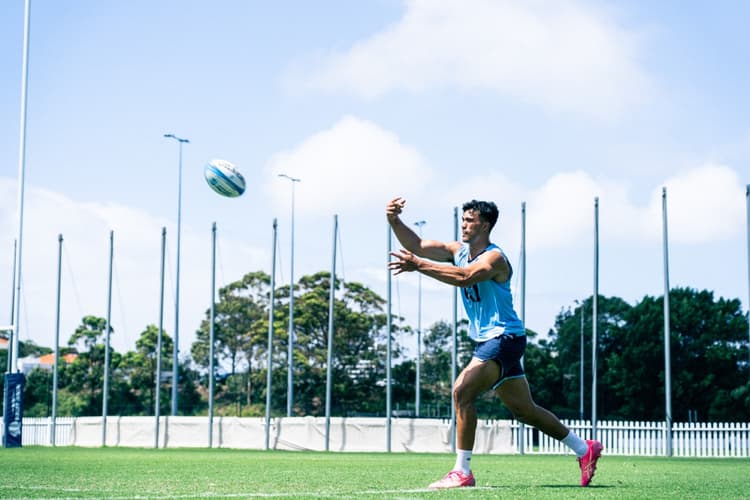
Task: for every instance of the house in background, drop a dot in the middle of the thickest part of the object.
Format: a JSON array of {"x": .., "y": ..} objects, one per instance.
[{"x": 43, "y": 362}]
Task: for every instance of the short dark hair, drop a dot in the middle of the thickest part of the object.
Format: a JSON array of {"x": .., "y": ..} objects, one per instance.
[{"x": 487, "y": 210}]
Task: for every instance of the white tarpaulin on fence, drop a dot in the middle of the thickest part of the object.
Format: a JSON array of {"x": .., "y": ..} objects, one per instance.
[
  {"x": 697, "y": 439},
  {"x": 290, "y": 433}
]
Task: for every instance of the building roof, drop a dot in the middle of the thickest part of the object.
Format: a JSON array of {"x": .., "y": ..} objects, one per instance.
[
  {"x": 49, "y": 359},
  {"x": 44, "y": 362}
]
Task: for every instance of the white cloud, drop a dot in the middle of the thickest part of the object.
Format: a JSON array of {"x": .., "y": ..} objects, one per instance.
[
  {"x": 136, "y": 275},
  {"x": 704, "y": 204},
  {"x": 346, "y": 168},
  {"x": 561, "y": 55}
]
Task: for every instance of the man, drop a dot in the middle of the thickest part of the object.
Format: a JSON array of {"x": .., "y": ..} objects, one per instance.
[{"x": 482, "y": 272}]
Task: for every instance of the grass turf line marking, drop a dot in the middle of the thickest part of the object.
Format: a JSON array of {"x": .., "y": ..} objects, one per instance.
[{"x": 315, "y": 494}]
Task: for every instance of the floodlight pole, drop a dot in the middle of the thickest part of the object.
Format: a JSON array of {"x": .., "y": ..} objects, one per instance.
[
  {"x": 290, "y": 354},
  {"x": 418, "y": 390},
  {"x": 176, "y": 347}
]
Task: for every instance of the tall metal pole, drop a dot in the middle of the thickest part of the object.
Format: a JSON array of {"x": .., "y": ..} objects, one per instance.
[
  {"x": 667, "y": 333},
  {"x": 329, "y": 360},
  {"x": 389, "y": 330},
  {"x": 454, "y": 348},
  {"x": 580, "y": 378},
  {"x": 21, "y": 182},
  {"x": 157, "y": 388},
  {"x": 418, "y": 389},
  {"x": 211, "y": 341},
  {"x": 56, "y": 366},
  {"x": 290, "y": 354},
  {"x": 105, "y": 391},
  {"x": 522, "y": 426},
  {"x": 176, "y": 347},
  {"x": 270, "y": 338},
  {"x": 747, "y": 203},
  {"x": 12, "y": 311},
  {"x": 594, "y": 313}
]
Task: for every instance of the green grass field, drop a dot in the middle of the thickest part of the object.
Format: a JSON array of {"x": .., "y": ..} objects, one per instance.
[{"x": 119, "y": 473}]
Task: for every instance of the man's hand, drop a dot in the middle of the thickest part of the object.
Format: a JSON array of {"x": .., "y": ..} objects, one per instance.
[
  {"x": 405, "y": 262},
  {"x": 394, "y": 208}
]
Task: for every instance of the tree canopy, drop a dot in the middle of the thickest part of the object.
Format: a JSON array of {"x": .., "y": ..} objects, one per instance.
[{"x": 708, "y": 344}]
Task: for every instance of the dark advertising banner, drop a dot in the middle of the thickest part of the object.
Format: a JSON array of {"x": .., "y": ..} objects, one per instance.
[{"x": 13, "y": 413}]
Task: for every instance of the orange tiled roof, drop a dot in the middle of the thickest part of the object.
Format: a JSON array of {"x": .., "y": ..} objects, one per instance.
[{"x": 49, "y": 359}]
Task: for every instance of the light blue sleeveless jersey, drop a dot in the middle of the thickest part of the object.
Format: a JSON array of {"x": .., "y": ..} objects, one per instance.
[{"x": 488, "y": 304}]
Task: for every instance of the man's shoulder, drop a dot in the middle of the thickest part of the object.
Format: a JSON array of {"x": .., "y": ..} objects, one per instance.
[
  {"x": 492, "y": 247},
  {"x": 455, "y": 246}
]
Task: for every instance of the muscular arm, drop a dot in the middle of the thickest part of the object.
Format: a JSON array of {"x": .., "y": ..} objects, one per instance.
[
  {"x": 489, "y": 266},
  {"x": 428, "y": 249}
]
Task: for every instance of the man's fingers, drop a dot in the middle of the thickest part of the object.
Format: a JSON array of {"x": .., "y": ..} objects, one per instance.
[{"x": 396, "y": 205}]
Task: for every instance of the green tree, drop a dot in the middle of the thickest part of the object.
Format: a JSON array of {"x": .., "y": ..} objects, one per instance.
[
  {"x": 545, "y": 376},
  {"x": 403, "y": 386},
  {"x": 139, "y": 369},
  {"x": 359, "y": 347},
  {"x": 37, "y": 394},
  {"x": 564, "y": 351},
  {"x": 708, "y": 345},
  {"x": 86, "y": 373},
  {"x": 238, "y": 337},
  {"x": 436, "y": 366},
  {"x": 708, "y": 352},
  {"x": 190, "y": 400},
  {"x": 241, "y": 304},
  {"x": 241, "y": 332}
]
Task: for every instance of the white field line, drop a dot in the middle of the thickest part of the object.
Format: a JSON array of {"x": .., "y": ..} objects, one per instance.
[{"x": 298, "y": 494}]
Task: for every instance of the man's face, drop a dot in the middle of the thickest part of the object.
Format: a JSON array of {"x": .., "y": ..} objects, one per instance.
[{"x": 471, "y": 226}]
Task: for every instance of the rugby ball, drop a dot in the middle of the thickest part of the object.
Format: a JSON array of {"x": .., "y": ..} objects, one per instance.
[{"x": 224, "y": 178}]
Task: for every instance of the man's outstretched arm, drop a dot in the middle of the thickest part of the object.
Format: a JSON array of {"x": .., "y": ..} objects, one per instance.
[
  {"x": 491, "y": 265},
  {"x": 429, "y": 249}
]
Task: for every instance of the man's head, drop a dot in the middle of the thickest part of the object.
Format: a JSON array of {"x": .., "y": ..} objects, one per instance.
[{"x": 486, "y": 210}]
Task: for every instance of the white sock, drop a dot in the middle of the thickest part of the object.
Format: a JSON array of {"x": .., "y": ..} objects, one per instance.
[
  {"x": 463, "y": 461},
  {"x": 576, "y": 444}
]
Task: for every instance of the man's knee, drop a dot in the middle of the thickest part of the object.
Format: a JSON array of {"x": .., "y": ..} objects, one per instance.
[{"x": 462, "y": 395}]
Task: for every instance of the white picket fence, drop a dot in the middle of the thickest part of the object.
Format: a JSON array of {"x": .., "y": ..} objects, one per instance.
[
  {"x": 647, "y": 438},
  {"x": 618, "y": 438},
  {"x": 38, "y": 431}
]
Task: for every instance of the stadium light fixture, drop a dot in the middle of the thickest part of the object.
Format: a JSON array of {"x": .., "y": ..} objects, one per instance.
[
  {"x": 176, "y": 349},
  {"x": 290, "y": 353}
]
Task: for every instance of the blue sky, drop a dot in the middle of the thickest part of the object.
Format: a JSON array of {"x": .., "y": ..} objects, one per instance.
[{"x": 551, "y": 104}]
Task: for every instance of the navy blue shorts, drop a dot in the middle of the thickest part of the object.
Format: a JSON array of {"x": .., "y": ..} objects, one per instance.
[{"x": 506, "y": 351}]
